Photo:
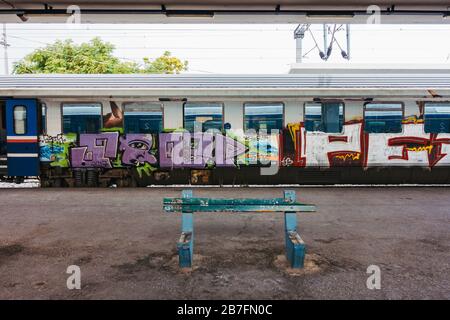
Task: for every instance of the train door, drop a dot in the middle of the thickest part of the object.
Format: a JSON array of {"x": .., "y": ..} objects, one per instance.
[
  {"x": 22, "y": 137},
  {"x": 3, "y": 162}
]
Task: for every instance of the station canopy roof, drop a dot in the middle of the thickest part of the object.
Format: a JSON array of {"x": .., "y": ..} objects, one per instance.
[{"x": 226, "y": 11}]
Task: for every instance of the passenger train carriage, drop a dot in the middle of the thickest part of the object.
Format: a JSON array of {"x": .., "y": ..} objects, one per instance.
[{"x": 308, "y": 128}]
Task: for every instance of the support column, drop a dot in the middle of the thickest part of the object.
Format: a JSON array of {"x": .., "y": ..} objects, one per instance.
[
  {"x": 185, "y": 245},
  {"x": 295, "y": 247}
]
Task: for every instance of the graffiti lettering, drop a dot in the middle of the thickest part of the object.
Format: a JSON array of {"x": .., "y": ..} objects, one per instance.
[
  {"x": 137, "y": 149},
  {"x": 294, "y": 147},
  {"x": 55, "y": 150},
  {"x": 197, "y": 150},
  {"x": 352, "y": 156},
  {"x": 95, "y": 150},
  {"x": 357, "y": 148},
  {"x": 431, "y": 148},
  {"x": 418, "y": 149},
  {"x": 319, "y": 151}
]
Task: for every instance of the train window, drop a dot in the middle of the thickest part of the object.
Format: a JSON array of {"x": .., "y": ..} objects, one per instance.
[
  {"x": 383, "y": 117},
  {"x": 82, "y": 117},
  {"x": 43, "y": 124},
  {"x": 324, "y": 117},
  {"x": 200, "y": 116},
  {"x": 437, "y": 117},
  {"x": 20, "y": 119},
  {"x": 143, "y": 117},
  {"x": 263, "y": 116}
]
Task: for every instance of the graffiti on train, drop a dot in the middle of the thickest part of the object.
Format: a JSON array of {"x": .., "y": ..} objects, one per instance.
[
  {"x": 354, "y": 147},
  {"x": 167, "y": 150},
  {"x": 293, "y": 147},
  {"x": 55, "y": 149},
  {"x": 95, "y": 150},
  {"x": 198, "y": 150},
  {"x": 137, "y": 149}
]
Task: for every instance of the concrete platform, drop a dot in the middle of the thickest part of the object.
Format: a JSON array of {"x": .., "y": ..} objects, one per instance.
[{"x": 126, "y": 246}]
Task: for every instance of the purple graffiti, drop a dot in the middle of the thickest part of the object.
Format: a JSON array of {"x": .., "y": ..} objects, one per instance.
[
  {"x": 167, "y": 142},
  {"x": 197, "y": 150},
  {"x": 227, "y": 149},
  {"x": 136, "y": 149},
  {"x": 95, "y": 150}
]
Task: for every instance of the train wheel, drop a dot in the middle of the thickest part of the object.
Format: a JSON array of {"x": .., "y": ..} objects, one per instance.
[
  {"x": 92, "y": 178},
  {"x": 19, "y": 180}
]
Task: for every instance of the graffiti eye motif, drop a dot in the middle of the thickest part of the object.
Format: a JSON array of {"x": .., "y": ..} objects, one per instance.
[{"x": 141, "y": 145}]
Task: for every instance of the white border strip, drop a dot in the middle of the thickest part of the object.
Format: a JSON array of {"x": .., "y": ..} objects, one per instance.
[
  {"x": 21, "y": 137},
  {"x": 23, "y": 155}
]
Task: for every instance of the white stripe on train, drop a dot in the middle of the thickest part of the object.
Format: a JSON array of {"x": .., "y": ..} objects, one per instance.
[
  {"x": 23, "y": 155},
  {"x": 22, "y": 138}
]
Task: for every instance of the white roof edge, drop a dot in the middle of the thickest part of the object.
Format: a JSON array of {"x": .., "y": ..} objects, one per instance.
[{"x": 371, "y": 68}]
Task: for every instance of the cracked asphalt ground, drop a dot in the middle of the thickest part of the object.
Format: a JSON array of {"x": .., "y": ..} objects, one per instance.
[{"x": 125, "y": 245}]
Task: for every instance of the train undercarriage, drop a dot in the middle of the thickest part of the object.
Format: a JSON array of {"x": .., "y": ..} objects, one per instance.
[{"x": 130, "y": 177}]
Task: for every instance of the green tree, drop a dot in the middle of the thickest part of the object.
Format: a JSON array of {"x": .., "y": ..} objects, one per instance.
[
  {"x": 164, "y": 64},
  {"x": 95, "y": 56}
]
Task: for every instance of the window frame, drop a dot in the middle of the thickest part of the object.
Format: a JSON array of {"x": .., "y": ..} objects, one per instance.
[
  {"x": 80, "y": 102},
  {"x": 149, "y": 102},
  {"x": 322, "y": 102},
  {"x": 283, "y": 124},
  {"x": 401, "y": 103},
  {"x": 423, "y": 112},
  {"x": 200, "y": 102}
]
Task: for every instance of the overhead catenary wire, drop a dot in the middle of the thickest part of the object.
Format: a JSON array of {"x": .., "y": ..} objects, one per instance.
[
  {"x": 229, "y": 28},
  {"x": 37, "y": 34}
]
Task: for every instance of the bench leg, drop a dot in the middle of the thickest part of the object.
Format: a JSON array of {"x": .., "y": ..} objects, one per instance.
[
  {"x": 295, "y": 247},
  {"x": 185, "y": 245}
]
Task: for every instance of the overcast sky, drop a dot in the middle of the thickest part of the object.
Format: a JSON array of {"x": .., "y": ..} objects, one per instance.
[{"x": 240, "y": 48}]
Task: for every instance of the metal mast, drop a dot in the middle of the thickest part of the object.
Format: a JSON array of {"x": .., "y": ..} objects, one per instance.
[
  {"x": 299, "y": 35},
  {"x": 347, "y": 31},
  {"x": 4, "y": 43}
]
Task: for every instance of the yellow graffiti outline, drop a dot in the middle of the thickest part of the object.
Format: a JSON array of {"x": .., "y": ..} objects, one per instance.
[
  {"x": 354, "y": 157},
  {"x": 412, "y": 120},
  {"x": 418, "y": 149},
  {"x": 293, "y": 128}
]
